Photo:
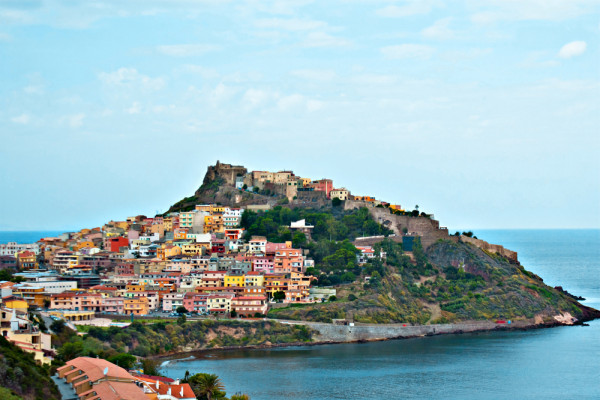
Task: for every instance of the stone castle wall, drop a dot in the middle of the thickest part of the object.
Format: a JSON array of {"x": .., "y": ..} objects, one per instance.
[
  {"x": 227, "y": 172},
  {"x": 427, "y": 228}
]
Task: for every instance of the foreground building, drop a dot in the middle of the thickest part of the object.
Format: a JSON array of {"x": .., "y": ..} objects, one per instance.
[{"x": 98, "y": 379}]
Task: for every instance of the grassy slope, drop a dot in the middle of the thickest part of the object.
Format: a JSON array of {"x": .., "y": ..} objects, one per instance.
[
  {"x": 20, "y": 373},
  {"x": 453, "y": 282}
]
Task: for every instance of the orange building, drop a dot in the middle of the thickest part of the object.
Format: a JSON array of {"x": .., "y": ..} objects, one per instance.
[
  {"x": 136, "y": 305},
  {"x": 288, "y": 260}
]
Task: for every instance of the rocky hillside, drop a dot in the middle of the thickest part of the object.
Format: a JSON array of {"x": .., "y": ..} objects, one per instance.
[
  {"x": 22, "y": 376},
  {"x": 449, "y": 282}
]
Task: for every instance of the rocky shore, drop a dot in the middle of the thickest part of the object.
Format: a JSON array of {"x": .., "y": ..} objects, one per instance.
[{"x": 325, "y": 333}]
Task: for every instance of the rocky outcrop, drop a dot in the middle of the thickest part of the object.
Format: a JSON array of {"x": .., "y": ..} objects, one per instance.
[{"x": 225, "y": 173}]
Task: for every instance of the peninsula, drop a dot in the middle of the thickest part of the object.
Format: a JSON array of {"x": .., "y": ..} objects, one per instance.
[{"x": 259, "y": 258}]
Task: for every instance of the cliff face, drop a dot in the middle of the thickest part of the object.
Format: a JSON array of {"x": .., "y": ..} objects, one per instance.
[
  {"x": 225, "y": 173},
  {"x": 218, "y": 187}
]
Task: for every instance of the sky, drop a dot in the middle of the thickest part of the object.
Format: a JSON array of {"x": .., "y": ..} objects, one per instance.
[{"x": 485, "y": 113}]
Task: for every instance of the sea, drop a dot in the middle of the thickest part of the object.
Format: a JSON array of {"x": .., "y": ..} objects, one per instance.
[
  {"x": 553, "y": 363},
  {"x": 24, "y": 237}
]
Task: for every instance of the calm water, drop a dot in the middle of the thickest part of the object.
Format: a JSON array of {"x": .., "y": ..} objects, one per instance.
[
  {"x": 557, "y": 363},
  {"x": 25, "y": 236}
]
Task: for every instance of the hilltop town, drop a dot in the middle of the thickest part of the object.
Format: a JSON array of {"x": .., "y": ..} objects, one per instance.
[{"x": 259, "y": 246}]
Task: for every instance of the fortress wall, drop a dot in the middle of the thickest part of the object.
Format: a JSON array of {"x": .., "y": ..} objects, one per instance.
[{"x": 493, "y": 248}]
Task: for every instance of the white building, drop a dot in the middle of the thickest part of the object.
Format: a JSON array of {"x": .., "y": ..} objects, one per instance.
[{"x": 12, "y": 248}]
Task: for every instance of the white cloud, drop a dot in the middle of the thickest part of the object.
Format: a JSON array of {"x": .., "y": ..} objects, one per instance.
[
  {"x": 74, "y": 121},
  {"x": 292, "y": 24},
  {"x": 292, "y": 101},
  {"x": 314, "y": 105},
  {"x": 186, "y": 50},
  {"x": 22, "y": 119},
  {"x": 130, "y": 77},
  {"x": 322, "y": 39},
  {"x": 221, "y": 93},
  {"x": 411, "y": 8},
  {"x": 206, "y": 73},
  {"x": 255, "y": 97},
  {"x": 572, "y": 49},
  {"x": 321, "y": 75},
  {"x": 33, "y": 89},
  {"x": 490, "y": 11},
  {"x": 135, "y": 108},
  {"x": 407, "y": 51},
  {"x": 439, "y": 30}
]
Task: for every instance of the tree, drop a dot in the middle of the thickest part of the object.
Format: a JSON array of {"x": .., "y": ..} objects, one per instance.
[
  {"x": 336, "y": 202},
  {"x": 207, "y": 386},
  {"x": 233, "y": 313},
  {"x": 279, "y": 295},
  {"x": 123, "y": 360},
  {"x": 181, "y": 310},
  {"x": 181, "y": 320},
  {"x": 150, "y": 367},
  {"x": 332, "y": 298}
]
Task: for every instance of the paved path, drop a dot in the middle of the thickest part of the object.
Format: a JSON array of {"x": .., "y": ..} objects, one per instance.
[{"x": 66, "y": 391}]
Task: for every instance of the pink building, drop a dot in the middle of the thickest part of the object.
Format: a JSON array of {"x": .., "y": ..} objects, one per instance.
[
  {"x": 195, "y": 302},
  {"x": 77, "y": 301},
  {"x": 262, "y": 264},
  {"x": 113, "y": 305},
  {"x": 171, "y": 301},
  {"x": 324, "y": 185}
]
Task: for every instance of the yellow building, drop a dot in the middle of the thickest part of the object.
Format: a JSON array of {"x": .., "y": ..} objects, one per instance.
[
  {"x": 254, "y": 279},
  {"x": 82, "y": 244},
  {"x": 168, "y": 224},
  {"x": 341, "y": 194},
  {"x": 193, "y": 248},
  {"x": 396, "y": 207},
  {"x": 33, "y": 295},
  {"x": 16, "y": 327},
  {"x": 234, "y": 280},
  {"x": 16, "y": 303},
  {"x": 217, "y": 209},
  {"x": 135, "y": 305},
  {"x": 135, "y": 288}
]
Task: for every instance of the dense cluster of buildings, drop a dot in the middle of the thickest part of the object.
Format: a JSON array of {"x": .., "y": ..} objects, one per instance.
[{"x": 196, "y": 259}]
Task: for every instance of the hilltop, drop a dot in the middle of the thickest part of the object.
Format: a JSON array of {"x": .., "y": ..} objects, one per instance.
[{"x": 421, "y": 274}]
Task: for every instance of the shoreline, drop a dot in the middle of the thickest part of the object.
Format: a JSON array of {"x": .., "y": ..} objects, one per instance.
[{"x": 403, "y": 332}]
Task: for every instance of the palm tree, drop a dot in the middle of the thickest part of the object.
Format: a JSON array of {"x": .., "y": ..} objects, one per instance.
[{"x": 206, "y": 385}]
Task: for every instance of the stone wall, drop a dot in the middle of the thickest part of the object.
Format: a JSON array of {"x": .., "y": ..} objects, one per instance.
[
  {"x": 227, "y": 172},
  {"x": 492, "y": 248},
  {"x": 428, "y": 229},
  {"x": 360, "y": 332}
]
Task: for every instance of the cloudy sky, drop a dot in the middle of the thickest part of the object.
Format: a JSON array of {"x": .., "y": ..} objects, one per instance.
[{"x": 484, "y": 112}]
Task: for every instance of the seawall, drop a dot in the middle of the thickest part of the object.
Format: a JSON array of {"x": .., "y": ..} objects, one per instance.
[{"x": 373, "y": 332}]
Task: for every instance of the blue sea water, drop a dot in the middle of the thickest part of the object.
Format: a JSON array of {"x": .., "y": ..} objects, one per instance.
[
  {"x": 23, "y": 237},
  {"x": 556, "y": 363}
]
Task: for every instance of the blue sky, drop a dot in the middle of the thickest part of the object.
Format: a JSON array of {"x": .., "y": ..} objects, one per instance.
[{"x": 486, "y": 113}]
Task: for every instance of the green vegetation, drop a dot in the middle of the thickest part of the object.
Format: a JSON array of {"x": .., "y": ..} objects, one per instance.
[
  {"x": 331, "y": 248},
  {"x": 22, "y": 377},
  {"x": 207, "y": 386},
  {"x": 448, "y": 282},
  {"x": 144, "y": 340}
]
